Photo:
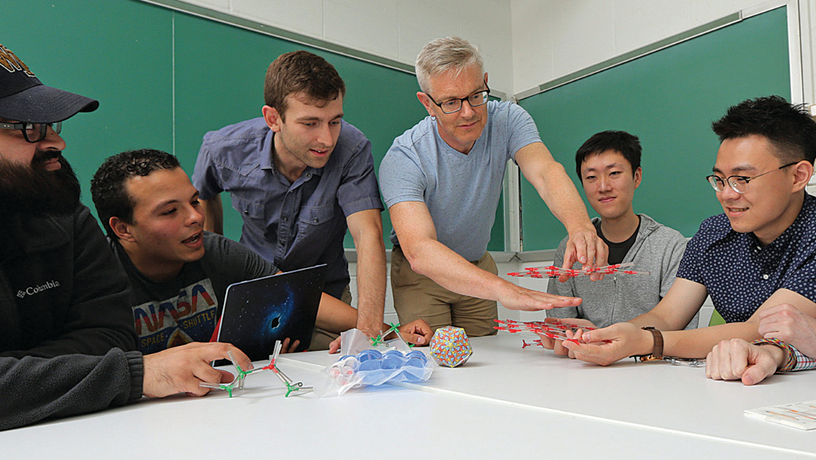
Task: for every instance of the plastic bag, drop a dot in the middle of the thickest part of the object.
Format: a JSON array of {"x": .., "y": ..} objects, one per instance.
[{"x": 365, "y": 364}]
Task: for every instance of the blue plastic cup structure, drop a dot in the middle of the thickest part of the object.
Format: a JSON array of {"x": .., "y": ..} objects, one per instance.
[
  {"x": 366, "y": 355},
  {"x": 417, "y": 354},
  {"x": 371, "y": 370},
  {"x": 370, "y": 365},
  {"x": 350, "y": 362},
  {"x": 414, "y": 370},
  {"x": 393, "y": 361}
]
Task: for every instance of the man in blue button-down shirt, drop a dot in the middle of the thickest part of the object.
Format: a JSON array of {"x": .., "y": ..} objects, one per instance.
[
  {"x": 760, "y": 253},
  {"x": 300, "y": 176}
]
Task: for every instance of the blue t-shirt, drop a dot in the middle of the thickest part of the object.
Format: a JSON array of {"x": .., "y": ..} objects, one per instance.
[
  {"x": 740, "y": 275},
  {"x": 461, "y": 190},
  {"x": 290, "y": 225}
]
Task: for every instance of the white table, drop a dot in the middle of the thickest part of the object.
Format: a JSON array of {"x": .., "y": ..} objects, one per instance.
[{"x": 505, "y": 401}]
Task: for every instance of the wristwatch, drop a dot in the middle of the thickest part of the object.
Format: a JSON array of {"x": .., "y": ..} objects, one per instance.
[{"x": 657, "y": 351}]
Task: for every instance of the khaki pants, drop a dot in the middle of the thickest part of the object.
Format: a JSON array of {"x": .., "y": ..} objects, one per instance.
[
  {"x": 417, "y": 296},
  {"x": 321, "y": 338}
]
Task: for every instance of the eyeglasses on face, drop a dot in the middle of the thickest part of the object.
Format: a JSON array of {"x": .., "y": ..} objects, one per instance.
[
  {"x": 737, "y": 183},
  {"x": 33, "y": 132},
  {"x": 455, "y": 104}
]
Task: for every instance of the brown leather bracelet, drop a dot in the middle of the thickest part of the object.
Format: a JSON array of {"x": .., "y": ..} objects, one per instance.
[{"x": 657, "y": 350}]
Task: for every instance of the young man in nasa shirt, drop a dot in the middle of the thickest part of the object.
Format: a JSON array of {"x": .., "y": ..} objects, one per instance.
[{"x": 179, "y": 272}]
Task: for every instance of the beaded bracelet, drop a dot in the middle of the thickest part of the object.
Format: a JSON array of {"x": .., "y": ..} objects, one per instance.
[{"x": 790, "y": 360}]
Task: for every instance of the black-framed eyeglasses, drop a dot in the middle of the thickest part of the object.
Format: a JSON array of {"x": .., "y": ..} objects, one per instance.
[
  {"x": 738, "y": 184},
  {"x": 33, "y": 132},
  {"x": 454, "y": 105}
]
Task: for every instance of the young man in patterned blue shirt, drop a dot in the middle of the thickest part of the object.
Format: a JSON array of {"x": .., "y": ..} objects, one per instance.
[{"x": 758, "y": 254}]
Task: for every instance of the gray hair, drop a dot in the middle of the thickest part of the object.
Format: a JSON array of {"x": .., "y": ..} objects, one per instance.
[{"x": 444, "y": 54}]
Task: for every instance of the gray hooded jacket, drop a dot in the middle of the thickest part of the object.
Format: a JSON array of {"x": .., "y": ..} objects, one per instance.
[{"x": 618, "y": 298}]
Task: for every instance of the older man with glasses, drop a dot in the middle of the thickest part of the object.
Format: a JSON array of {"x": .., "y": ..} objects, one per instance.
[
  {"x": 441, "y": 181},
  {"x": 758, "y": 254}
]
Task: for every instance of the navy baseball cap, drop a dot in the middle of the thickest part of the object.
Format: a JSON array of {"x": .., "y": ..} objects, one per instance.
[{"x": 24, "y": 98}]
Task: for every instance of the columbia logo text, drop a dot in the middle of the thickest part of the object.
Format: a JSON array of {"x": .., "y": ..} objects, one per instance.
[{"x": 31, "y": 290}]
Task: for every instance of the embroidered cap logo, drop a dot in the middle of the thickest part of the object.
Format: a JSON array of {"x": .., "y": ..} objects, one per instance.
[{"x": 10, "y": 62}]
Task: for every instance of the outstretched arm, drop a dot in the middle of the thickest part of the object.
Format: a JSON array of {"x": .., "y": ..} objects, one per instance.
[
  {"x": 626, "y": 339},
  {"x": 559, "y": 193},
  {"x": 621, "y": 340},
  {"x": 366, "y": 229},
  {"x": 427, "y": 256}
]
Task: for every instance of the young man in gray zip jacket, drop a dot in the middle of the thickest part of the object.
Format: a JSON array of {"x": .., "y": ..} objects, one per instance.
[{"x": 609, "y": 167}]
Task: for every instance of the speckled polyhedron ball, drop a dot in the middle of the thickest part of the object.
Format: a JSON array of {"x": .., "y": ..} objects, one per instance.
[{"x": 450, "y": 346}]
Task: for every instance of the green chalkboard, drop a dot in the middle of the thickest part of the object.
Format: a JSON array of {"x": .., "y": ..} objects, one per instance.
[
  {"x": 165, "y": 78},
  {"x": 118, "y": 52},
  {"x": 668, "y": 99}
]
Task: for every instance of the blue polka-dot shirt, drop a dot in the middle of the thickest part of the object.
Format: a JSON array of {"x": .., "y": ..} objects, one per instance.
[{"x": 740, "y": 275}]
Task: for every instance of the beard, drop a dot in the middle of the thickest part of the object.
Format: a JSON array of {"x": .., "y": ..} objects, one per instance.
[{"x": 33, "y": 190}]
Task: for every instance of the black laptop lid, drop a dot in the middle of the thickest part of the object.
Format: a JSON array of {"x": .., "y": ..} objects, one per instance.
[{"x": 258, "y": 312}]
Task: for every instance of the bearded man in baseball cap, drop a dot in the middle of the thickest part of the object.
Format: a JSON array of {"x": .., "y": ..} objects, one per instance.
[{"x": 67, "y": 340}]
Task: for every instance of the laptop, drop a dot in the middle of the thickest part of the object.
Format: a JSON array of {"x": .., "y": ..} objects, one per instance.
[{"x": 259, "y": 312}]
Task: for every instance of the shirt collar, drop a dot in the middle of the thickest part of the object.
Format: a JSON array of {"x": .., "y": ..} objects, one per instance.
[
  {"x": 266, "y": 151},
  {"x": 268, "y": 163},
  {"x": 314, "y": 171}
]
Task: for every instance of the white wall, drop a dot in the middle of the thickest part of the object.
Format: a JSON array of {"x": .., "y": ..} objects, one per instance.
[
  {"x": 553, "y": 38},
  {"x": 395, "y": 29}
]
